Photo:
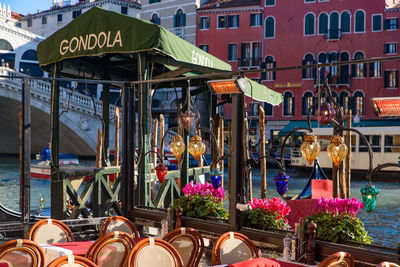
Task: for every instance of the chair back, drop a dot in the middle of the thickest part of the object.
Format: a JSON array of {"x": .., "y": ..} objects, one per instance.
[
  {"x": 153, "y": 252},
  {"x": 22, "y": 251},
  {"x": 233, "y": 247},
  {"x": 388, "y": 264},
  {"x": 120, "y": 224},
  {"x": 71, "y": 261},
  {"x": 49, "y": 231},
  {"x": 189, "y": 244},
  {"x": 111, "y": 249},
  {"x": 343, "y": 259}
]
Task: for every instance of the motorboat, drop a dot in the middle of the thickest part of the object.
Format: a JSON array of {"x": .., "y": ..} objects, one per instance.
[{"x": 41, "y": 168}]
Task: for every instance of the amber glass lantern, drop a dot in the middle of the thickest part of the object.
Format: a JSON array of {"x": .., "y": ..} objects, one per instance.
[
  {"x": 196, "y": 147},
  {"x": 177, "y": 146},
  {"x": 187, "y": 119},
  {"x": 310, "y": 148},
  {"x": 161, "y": 171},
  {"x": 337, "y": 150},
  {"x": 325, "y": 114}
]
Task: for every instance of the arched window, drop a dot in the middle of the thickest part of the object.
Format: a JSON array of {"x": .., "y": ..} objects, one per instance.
[
  {"x": 358, "y": 103},
  {"x": 269, "y": 27},
  {"x": 180, "y": 19},
  {"x": 269, "y": 63},
  {"x": 5, "y": 45},
  {"x": 359, "y": 21},
  {"x": 309, "y": 24},
  {"x": 333, "y": 70},
  {"x": 345, "y": 22},
  {"x": 308, "y": 72},
  {"x": 322, "y": 58},
  {"x": 344, "y": 69},
  {"x": 323, "y": 23},
  {"x": 344, "y": 100},
  {"x": 29, "y": 55},
  {"x": 288, "y": 104},
  {"x": 334, "y": 25},
  {"x": 359, "y": 70},
  {"x": 307, "y": 102},
  {"x": 155, "y": 19}
]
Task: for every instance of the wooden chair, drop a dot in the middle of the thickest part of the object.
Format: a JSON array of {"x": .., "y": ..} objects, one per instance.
[
  {"x": 49, "y": 231},
  {"x": 22, "y": 250},
  {"x": 155, "y": 252},
  {"x": 111, "y": 249},
  {"x": 343, "y": 259},
  {"x": 388, "y": 264},
  {"x": 233, "y": 247},
  {"x": 71, "y": 260},
  {"x": 189, "y": 244},
  {"x": 118, "y": 223}
]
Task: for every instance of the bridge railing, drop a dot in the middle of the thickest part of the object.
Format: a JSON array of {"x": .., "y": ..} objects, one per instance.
[{"x": 42, "y": 89}]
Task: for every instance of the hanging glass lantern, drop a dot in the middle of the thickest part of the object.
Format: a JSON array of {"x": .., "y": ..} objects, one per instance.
[
  {"x": 325, "y": 114},
  {"x": 187, "y": 119},
  {"x": 369, "y": 194},
  {"x": 281, "y": 182},
  {"x": 310, "y": 148},
  {"x": 161, "y": 171},
  {"x": 196, "y": 147},
  {"x": 177, "y": 146},
  {"x": 337, "y": 149},
  {"x": 216, "y": 177}
]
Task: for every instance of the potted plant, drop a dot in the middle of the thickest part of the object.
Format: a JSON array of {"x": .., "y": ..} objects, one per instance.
[
  {"x": 270, "y": 213},
  {"x": 201, "y": 200},
  {"x": 336, "y": 220}
]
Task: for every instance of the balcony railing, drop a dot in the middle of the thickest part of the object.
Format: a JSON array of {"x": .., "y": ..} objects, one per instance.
[
  {"x": 250, "y": 62},
  {"x": 336, "y": 80},
  {"x": 333, "y": 34}
]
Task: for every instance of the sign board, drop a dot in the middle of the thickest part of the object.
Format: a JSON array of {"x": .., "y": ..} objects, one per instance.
[{"x": 386, "y": 106}]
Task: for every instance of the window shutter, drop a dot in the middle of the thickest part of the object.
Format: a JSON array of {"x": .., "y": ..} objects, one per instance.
[
  {"x": 304, "y": 70},
  {"x": 274, "y": 73},
  {"x": 386, "y": 79},
  {"x": 237, "y": 20},
  {"x": 252, "y": 19},
  {"x": 208, "y": 22},
  {"x": 200, "y": 24},
  {"x": 396, "y": 77},
  {"x": 353, "y": 70},
  {"x": 397, "y": 23},
  {"x": 385, "y": 48},
  {"x": 352, "y": 105},
  {"x": 263, "y": 74},
  {"x": 175, "y": 20},
  {"x": 314, "y": 70},
  {"x": 386, "y": 24},
  {"x": 303, "y": 105},
  {"x": 183, "y": 20},
  {"x": 365, "y": 70},
  {"x": 292, "y": 111},
  {"x": 371, "y": 69},
  {"x": 229, "y": 52}
]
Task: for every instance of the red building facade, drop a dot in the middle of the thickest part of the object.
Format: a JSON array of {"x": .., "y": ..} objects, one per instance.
[{"x": 305, "y": 32}]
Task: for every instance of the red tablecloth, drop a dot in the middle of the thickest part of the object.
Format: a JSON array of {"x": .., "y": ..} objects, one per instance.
[{"x": 265, "y": 262}]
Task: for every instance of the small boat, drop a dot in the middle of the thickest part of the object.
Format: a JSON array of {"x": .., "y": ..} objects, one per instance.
[
  {"x": 7, "y": 215},
  {"x": 41, "y": 168}
]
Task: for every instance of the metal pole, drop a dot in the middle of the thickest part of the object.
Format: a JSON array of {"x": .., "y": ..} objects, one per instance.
[
  {"x": 57, "y": 206},
  {"x": 25, "y": 178},
  {"x": 105, "y": 97}
]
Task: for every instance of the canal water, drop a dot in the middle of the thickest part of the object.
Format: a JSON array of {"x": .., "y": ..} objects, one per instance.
[{"x": 383, "y": 224}]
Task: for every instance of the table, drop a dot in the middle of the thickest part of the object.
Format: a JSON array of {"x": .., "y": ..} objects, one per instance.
[{"x": 259, "y": 262}]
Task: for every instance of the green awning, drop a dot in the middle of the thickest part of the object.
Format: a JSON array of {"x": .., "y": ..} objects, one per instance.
[
  {"x": 262, "y": 93},
  {"x": 99, "y": 31}
]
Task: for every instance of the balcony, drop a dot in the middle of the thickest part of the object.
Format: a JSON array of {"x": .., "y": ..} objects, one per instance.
[
  {"x": 180, "y": 31},
  {"x": 250, "y": 62},
  {"x": 333, "y": 35},
  {"x": 337, "y": 80}
]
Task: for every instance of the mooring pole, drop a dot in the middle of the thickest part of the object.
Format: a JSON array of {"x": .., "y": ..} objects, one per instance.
[
  {"x": 105, "y": 97},
  {"x": 57, "y": 185},
  {"x": 25, "y": 157}
]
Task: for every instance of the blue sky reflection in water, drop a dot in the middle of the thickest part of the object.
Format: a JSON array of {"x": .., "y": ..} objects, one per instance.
[{"x": 382, "y": 224}]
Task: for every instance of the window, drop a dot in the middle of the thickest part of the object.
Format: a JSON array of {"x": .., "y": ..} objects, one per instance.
[
  {"x": 268, "y": 109},
  {"x": 359, "y": 21},
  {"x": 390, "y": 48},
  {"x": 375, "y": 69},
  {"x": 204, "y": 48},
  {"x": 334, "y": 26},
  {"x": 29, "y": 55},
  {"x": 392, "y": 143},
  {"x": 254, "y": 109},
  {"x": 59, "y": 18},
  {"x": 323, "y": 23},
  {"x": 154, "y": 1},
  {"x": 288, "y": 104},
  {"x": 307, "y": 102},
  {"x": 322, "y": 58},
  {"x": 391, "y": 24},
  {"x": 44, "y": 20},
  {"x": 204, "y": 23},
  {"x": 30, "y": 22},
  {"x": 358, "y": 104},
  {"x": 344, "y": 69},
  {"x": 309, "y": 24},
  {"x": 269, "y": 63},
  {"x": 269, "y": 2},
  {"x": 255, "y": 19},
  {"x": 155, "y": 19},
  {"x": 221, "y": 22},
  {"x": 391, "y": 79},
  {"x": 344, "y": 101},
  {"x": 245, "y": 54},
  {"x": 345, "y": 22},
  {"x": 373, "y": 140},
  {"x": 180, "y": 19},
  {"x": 124, "y": 10},
  {"x": 232, "y": 52},
  {"x": 359, "y": 70},
  {"x": 76, "y": 13},
  {"x": 270, "y": 27},
  {"x": 333, "y": 70},
  {"x": 5, "y": 45},
  {"x": 308, "y": 72},
  {"x": 309, "y": 1},
  {"x": 233, "y": 21},
  {"x": 376, "y": 23},
  {"x": 255, "y": 53}
]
